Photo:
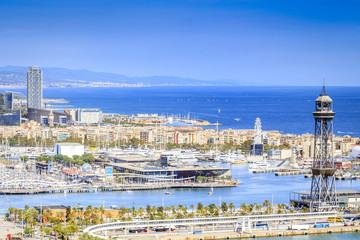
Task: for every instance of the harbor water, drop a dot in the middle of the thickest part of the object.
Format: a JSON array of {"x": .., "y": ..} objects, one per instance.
[{"x": 255, "y": 188}]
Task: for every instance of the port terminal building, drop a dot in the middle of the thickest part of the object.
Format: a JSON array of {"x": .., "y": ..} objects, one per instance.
[
  {"x": 346, "y": 198},
  {"x": 144, "y": 172}
]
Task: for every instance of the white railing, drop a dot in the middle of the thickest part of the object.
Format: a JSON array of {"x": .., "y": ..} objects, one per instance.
[{"x": 205, "y": 221}]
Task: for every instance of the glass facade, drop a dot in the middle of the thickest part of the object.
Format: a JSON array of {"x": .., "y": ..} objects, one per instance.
[
  {"x": 34, "y": 88},
  {"x": 6, "y": 102}
]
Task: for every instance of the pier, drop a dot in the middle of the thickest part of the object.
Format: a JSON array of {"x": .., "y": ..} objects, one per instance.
[
  {"x": 284, "y": 171},
  {"x": 299, "y": 172},
  {"x": 119, "y": 187}
]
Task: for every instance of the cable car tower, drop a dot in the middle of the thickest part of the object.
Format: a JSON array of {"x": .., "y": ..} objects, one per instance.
[{"x": 323, "y": 192}]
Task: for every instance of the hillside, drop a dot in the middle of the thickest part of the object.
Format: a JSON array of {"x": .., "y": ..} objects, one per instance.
[{"x": 15, "y": 76}]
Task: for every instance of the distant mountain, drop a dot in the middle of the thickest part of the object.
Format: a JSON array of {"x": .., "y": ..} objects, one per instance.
[{"x": 15, "y": 76}]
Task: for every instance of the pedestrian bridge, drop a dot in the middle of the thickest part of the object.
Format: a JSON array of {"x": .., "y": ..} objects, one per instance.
[{"x": 244, "y": 222}]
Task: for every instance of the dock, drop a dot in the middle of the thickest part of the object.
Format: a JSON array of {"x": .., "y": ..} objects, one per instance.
[
  {"x": 120, "y": 187},
  {"x": 298, "y": 172},
  {"x": 284, "y": 171}
]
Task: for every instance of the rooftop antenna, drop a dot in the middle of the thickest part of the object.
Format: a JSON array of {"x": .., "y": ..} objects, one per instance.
[{"x": 323, "y": 93}]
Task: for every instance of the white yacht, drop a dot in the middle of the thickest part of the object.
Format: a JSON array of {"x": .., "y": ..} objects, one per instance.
[
  {"x": 259, "y": 165},
  {"x": 231, "y": 158},
  {"x": 180, "y": 156}
]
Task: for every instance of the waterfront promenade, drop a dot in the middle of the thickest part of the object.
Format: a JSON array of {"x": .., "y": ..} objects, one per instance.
[
  {"x": 224, "y": 227},
  {"x": 7, "y": 227}
]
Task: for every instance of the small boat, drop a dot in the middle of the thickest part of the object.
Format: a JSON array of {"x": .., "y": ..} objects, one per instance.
[
  {"x": 129, "y": 191},
  {"x": 168, "y": 193},
  {"x": 212, "y": 191},
  {"x": 348, "y": 176}
]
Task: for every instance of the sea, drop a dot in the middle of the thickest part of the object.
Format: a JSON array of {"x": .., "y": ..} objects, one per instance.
[{"x": 287, "y": 109}]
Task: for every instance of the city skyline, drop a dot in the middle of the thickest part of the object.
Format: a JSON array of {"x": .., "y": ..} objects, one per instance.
[{"x": 277, "y": 42}]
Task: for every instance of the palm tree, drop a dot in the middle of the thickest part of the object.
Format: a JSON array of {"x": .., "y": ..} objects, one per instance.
[
  {"x": 42, "y": 228},
  {"x": 141, "y": 211},
  {"x": 46, "y": 215},
  {"x": 266, "y": 203},
  {"x": 153, "y": 209},
  {"x": 148, "y": 209},
  {"x": 232, "y": 207},
  {"x": 224, "y": 207},
  {"x": 11, "y": 211},
  {"x": 184, "y": 210},
  {"x": 244, "y": 207},
  {"x": 75, "y": 213},
  {"x": 268, "y": 210},
  {"x": 199, "y": 206},
  {"x": 258, "y": 207},
  {"x": 205, "y": 211},
  {"x": 168, "y": 209},
  {"x": 160, "y": 212},
  {"x": 173, "y": 209},
  {"x": 305, "y": 209},
  {"x": 250, "y": 207},
  {"x": 179, "y": 207},
  {"x": 192, "y": 207},
  {"x": 57, "y": 229}
]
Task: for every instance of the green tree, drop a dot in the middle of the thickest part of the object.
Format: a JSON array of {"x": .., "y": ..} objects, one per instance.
[
  {"x": 88, "y": 157},
  {"x": 232, "y": 207},
  {"x": 224, "y": 207},
  {"x": 246, "y": 144},
  {"x": 199, "y": 206},
  {"x": 29, "y": 231},
  {"x": 68, "y": 214}
]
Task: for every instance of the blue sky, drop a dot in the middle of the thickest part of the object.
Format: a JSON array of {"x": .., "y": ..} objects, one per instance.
[{"x": 295, "y": 42}]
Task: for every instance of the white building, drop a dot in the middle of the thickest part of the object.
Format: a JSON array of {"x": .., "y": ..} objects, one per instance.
[
  {"x": 86, "y": 115},
  {"x": 355, "y": 152},
  {"x": 69, "y": 149},
  {"x": 279, "y": 153}
]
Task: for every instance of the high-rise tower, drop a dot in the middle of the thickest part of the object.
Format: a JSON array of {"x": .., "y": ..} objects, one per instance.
[
  {"x": 34, "y": 88},
  {"x": 323, "y": 192}
]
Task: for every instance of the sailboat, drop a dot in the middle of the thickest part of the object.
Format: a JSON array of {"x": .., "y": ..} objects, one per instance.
[{"x": 212, "y": 191}]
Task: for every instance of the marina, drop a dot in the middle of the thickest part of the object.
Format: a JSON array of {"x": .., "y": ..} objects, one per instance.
[{"x": 246, "y": 192}]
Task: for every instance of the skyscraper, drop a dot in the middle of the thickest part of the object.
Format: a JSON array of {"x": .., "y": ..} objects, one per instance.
[{"x": 34, "y": 88}]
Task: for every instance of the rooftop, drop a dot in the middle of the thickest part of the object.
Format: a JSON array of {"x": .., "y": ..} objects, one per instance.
[
  {"x": 341, "y": 192},
  {"x": 149, "y": 168},
  {"x": 45, "y": 207},
  {"x": 69, "y": 144}
]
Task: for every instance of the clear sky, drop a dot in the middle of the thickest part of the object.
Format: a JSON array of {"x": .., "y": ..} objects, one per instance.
[{"x": 290, "y": 42}]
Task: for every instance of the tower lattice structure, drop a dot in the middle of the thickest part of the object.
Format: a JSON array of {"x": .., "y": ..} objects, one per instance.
[{"x": 323, "y": 191}]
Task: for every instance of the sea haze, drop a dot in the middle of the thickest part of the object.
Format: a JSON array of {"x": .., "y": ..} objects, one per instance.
[
  {"x": 288, "y": 109},
  {"x": 15, "y": 76}
]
